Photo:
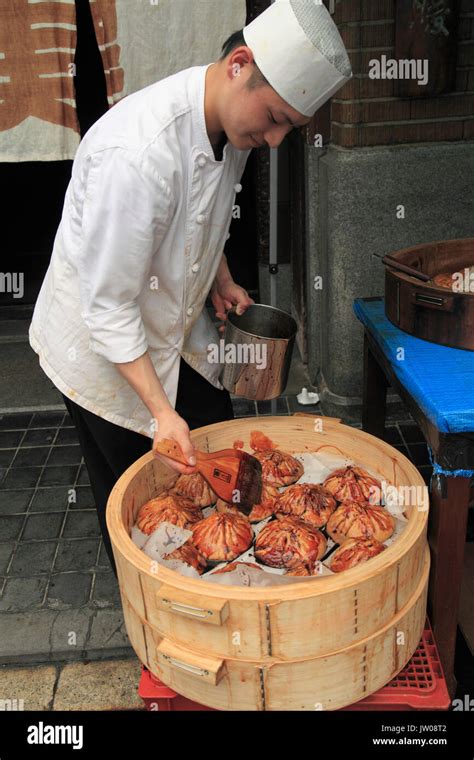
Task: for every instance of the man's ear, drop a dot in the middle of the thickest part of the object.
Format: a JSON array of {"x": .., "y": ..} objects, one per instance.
[{"x": 238, "y": 58}]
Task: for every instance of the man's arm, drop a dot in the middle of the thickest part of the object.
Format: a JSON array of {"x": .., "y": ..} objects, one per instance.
[
  {"x": 126, "y": 213},
  {"x": 223, "y": 274},
  {"x": 141, "y": 375}
]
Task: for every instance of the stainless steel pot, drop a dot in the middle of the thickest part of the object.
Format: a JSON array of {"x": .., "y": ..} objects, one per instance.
[{"x": 257, "y": 352}]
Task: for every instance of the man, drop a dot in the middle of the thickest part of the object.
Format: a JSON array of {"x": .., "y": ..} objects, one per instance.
[{"x": 120, "y": 325}]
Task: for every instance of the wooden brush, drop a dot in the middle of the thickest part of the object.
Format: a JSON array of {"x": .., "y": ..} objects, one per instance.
[{"x": 234, "y": 475}]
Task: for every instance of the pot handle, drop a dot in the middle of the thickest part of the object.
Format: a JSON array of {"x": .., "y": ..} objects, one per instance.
[
  {"x": 206, "y": 609},
  {"x": 208, "y": 669},
  {"x": 429, "y": 301}
]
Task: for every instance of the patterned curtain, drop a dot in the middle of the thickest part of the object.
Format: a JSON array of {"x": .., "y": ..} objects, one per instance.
[
  {"x": 140, "y": 41},
  {"x": 38, "y": 120}
]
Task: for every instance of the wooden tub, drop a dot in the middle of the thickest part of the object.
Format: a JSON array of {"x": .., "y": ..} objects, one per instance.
[{"x": 326, "y": 642}]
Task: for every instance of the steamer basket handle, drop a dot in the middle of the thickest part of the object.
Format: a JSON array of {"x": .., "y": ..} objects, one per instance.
[
  {"x": 203, "y": 608},
  {"x": 193, "y": 669},
  {"x": 203, "y": 667}
]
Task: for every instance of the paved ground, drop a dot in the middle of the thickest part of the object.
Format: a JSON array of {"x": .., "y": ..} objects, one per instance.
[{"x": 110, "y": 685}]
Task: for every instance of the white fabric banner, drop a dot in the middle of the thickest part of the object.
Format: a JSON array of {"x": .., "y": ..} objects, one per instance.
[{"x": 157, "y": 38}]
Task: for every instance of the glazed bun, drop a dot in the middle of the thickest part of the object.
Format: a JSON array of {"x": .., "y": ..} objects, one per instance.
[
  {"x": 308, "y": 502},
  {"x": 353, "y": 484},
  {"x": 353, "y": 520},
  {"x": 279, "y": 468},
  {"x": 222, "y": 536},
  {"x": 287, "y": 542},
  {"x": 195, "y": 488},
  {"x": 167, "y": 507},
  {"x": 353, "y": 552}
]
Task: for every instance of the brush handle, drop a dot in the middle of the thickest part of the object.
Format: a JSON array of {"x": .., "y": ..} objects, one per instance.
[
  {"x": 172, "y": 450},
  {"x": 220, "y": 469}
]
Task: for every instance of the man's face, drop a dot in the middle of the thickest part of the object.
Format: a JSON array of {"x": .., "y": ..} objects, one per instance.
[{"x": 255, "y": 117}]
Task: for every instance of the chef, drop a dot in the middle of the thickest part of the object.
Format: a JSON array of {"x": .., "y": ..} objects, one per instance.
[{"x": 120, "y": 324}]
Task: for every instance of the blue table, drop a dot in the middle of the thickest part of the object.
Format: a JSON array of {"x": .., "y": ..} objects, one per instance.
[{"x": 437, "y": 385}]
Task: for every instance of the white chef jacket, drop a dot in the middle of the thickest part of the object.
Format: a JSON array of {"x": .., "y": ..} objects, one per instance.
[{"x": 145, "y": 219}]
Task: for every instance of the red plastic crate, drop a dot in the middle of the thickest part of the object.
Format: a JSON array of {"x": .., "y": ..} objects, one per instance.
[
  {"x": 419, "y": 686},
  {"x": 157, "y": 696}
]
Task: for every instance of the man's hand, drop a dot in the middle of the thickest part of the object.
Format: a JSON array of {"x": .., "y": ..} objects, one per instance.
[
  {"x": 171, "y": 425},
  {"x": 225, "y": 295}
]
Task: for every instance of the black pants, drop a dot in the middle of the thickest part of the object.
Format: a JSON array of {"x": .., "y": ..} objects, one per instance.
[{"x": 109, "y": 449}]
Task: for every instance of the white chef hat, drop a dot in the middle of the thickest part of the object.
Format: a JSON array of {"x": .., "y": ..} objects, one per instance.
[{"x": 298, "y": 48}]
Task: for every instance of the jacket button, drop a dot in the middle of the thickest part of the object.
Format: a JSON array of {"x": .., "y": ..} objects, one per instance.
[
  {"x": 201, "y": 161},
  {"x": 201, "y": 218},
  {"x": 195, "y": 267},
  {"x": 238, "y": 187},
  {"x": 189, "y": 311}
]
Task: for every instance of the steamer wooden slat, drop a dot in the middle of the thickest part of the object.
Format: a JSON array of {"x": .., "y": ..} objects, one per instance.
[{"x": 284, "y": 624}]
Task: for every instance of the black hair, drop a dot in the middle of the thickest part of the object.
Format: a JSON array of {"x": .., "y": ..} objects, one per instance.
[{"x": 235, "y": 40}]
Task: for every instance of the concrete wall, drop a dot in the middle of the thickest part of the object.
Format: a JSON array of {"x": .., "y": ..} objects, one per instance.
[{"x": 352, "y": 200}]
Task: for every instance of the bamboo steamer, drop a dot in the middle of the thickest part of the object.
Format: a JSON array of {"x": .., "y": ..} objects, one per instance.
[{"x": 326, "y": 642}]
